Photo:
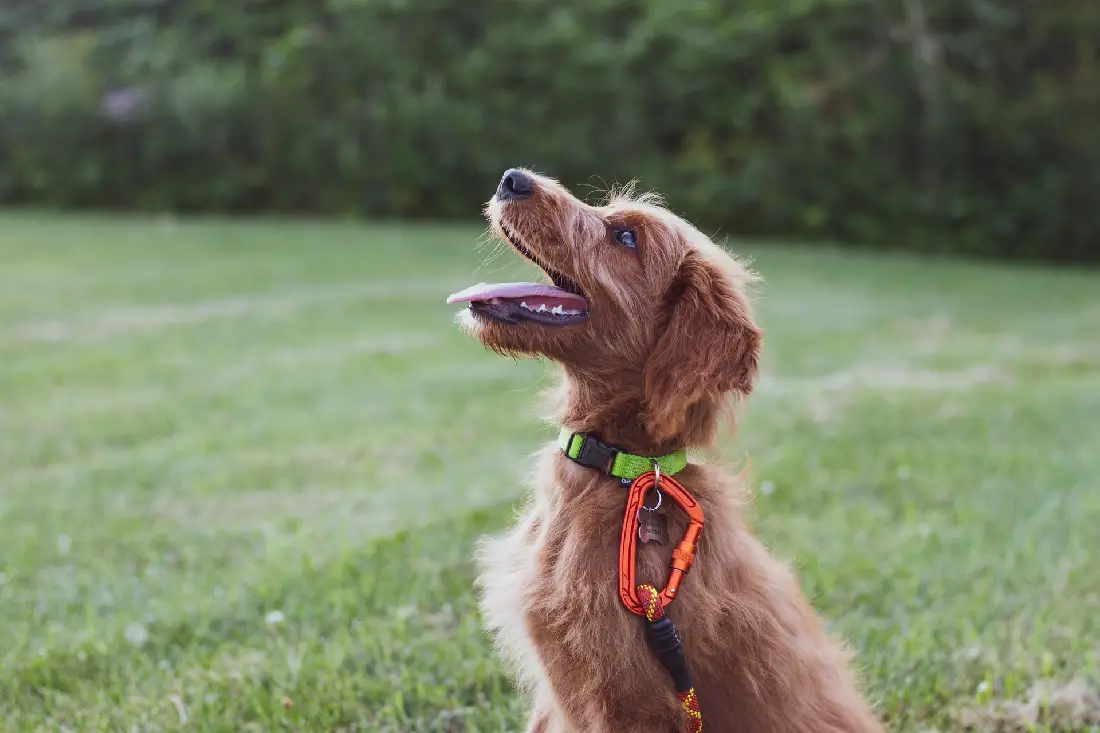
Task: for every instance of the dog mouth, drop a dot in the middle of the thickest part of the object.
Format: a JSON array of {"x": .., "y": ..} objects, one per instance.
[{"x": 560, "y": 304}]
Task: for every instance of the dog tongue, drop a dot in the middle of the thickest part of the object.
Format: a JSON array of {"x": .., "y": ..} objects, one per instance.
[{"x": 510, "y": 291}]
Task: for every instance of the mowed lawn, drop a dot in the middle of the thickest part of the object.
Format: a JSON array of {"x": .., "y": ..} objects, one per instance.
[{"x": 244, "y": 466}]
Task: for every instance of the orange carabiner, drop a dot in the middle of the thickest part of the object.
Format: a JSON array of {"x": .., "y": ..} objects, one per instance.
[{"x": 682, "y": 557}]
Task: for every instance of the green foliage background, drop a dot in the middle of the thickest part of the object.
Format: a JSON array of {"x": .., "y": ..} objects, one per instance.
[{"x": 970, "y": 126}]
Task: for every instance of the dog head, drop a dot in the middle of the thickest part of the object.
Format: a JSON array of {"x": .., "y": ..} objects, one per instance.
[{"x": 636, "y": 296}]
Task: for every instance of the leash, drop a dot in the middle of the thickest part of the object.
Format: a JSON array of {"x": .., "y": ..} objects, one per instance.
[{"x": 643, "y": 599}]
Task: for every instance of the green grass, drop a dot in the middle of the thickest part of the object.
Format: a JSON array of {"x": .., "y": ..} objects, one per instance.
[{"x": 241, "y": 485}]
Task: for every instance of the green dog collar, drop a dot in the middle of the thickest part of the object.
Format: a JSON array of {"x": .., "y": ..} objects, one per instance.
[{"x": 591, "y": 452}]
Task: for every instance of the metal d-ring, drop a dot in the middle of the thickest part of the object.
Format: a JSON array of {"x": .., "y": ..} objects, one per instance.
[{"x": 657, "y": 488}]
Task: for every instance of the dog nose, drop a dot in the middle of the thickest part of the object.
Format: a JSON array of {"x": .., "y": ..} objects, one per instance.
[{"x": 515, "y": 186}]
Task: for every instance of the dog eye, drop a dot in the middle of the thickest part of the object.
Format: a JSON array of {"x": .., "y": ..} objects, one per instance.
[{"x": 626, "y": 238}]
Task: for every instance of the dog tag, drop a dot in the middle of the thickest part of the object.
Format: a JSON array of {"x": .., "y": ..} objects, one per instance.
[{"x": 652, "y": 527}]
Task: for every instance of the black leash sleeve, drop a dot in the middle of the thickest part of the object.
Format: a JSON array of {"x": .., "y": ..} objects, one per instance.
[{"x": 667, "y": 646}]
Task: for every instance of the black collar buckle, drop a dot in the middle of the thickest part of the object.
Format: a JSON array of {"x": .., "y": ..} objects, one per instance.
[{"x": 596, "y": 454}]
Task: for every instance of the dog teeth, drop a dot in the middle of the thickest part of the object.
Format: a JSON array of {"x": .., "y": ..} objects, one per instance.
[{"x": 557, "y": 310}]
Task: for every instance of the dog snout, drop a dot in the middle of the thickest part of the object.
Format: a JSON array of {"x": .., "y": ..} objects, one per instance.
[{"x": 515, "y": 186}]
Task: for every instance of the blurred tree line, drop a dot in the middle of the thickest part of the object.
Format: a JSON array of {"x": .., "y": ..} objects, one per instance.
[{"x": 970, "y": 126}]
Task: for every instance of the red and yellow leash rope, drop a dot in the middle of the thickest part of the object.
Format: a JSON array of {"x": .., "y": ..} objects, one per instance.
[{"x": 689, "y": 701}]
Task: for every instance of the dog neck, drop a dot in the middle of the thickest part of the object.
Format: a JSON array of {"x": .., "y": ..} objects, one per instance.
[{"x": 613, "y": 407}]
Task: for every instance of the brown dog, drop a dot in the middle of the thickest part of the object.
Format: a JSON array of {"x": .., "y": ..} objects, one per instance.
[{"x": 648, "y": 320}]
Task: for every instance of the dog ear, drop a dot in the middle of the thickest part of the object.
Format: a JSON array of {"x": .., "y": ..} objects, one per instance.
[{"x": 709, "y": 346}]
